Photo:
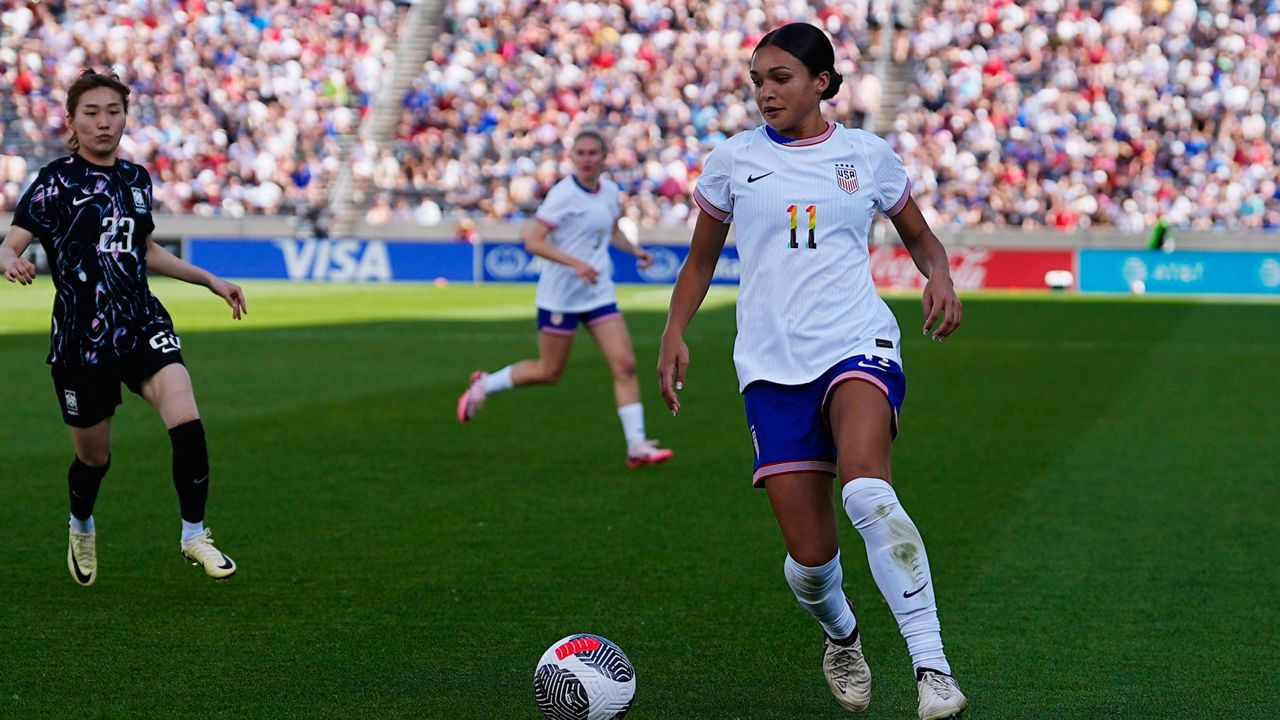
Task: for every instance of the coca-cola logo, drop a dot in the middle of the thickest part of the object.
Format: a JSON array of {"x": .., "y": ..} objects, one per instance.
[{"x": 893, "y": 267}]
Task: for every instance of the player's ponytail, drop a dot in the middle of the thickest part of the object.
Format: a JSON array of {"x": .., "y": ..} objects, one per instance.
[
  {"x": 810, "y": 46},
  {"x": 87, "y": 80}
]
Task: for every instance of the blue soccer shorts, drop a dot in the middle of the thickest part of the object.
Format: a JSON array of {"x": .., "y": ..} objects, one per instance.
[
  {"x": 789, "y": 424},
  {"x": 558, "y": 323}
]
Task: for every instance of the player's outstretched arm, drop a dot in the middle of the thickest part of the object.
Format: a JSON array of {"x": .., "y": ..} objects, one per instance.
[
  {"x": 536, "y": 242},
  {"x": 691, "y": 288},
  {"x": 941, "y": 305},
  {"x": 15, "y": 267},
  {"x": 166, "y": 263}
]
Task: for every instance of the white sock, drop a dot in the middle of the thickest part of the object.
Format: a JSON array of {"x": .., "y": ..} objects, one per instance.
[
  {"x": 190, "y": 530},
  {"x": 82, "y": 526},
  {"x": 496, "y": 382},
  {"x": 632, "y": 417},
  {"x": 895, "y": 552},
  {"x": 820, "y": 591}
]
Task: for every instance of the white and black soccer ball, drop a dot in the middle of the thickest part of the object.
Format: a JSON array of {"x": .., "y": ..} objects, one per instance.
[{"x": 584, "y": 677}]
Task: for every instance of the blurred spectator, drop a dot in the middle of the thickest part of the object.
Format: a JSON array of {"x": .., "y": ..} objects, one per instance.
[
  {"x": 236, "y": 106},
  {"x": 1084, "y": 113}
]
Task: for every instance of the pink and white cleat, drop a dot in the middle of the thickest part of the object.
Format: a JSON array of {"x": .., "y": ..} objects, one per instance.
[
  {"x": 646, "y": 452},
  {"x": 473, "y": 399}
]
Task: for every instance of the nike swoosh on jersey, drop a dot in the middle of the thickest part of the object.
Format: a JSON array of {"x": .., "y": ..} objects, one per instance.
[
  {"x": 753, "y": 178},
  {"x": 81, "y": 200}
]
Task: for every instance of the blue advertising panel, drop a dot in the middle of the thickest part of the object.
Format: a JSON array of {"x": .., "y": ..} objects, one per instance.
[
  {"x": 508, "y": 262},
  {"x": 1153, "y": 271},
  {"x": 341, "y": 260}
]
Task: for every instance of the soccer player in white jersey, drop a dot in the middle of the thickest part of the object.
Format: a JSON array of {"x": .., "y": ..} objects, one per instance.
[
  {"x": 573, "y": 230},
  {"x": 817, "y": 352}
]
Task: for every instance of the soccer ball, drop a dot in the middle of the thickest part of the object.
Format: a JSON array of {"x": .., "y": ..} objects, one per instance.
[{"x": 584, "y": 677}]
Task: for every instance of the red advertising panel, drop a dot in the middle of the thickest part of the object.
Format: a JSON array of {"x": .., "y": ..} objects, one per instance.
[{"x": 973, "y": 268}]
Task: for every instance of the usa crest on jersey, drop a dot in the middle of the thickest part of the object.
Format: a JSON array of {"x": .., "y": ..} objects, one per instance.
[
  {"x": 846, "y": 177},
  {"x": 139, "y": 200}
]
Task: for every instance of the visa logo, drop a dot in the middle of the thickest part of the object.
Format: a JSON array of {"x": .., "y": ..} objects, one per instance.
[{"x": 336, "y": 259}]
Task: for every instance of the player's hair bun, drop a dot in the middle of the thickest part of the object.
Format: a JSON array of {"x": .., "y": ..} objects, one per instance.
[{"x": 834, "y": 86}]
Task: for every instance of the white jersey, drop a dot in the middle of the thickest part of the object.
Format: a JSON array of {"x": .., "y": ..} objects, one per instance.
[
  {"x": 801, "y": 214},
  {"x": 581, "y": 224}
]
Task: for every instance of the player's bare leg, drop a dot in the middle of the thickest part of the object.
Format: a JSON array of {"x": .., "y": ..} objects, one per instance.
[
  {"x": 169, "y": 392},
  {"x": 553, "y": 356},
  {"x": 93, "y": 456},
  {"x": 861, "y": 422},
  {"x": 806, "y": 515},
  {"x": 615, "y": 343}
]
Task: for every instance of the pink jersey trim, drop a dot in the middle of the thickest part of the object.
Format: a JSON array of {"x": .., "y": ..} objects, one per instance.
[
  {"x": 545, "y": 223},
  {"x": 782, "y": 468},
  {"x": 853, "y": 375},
  {"x": 707, "y": 206},
  {"x": 902, "y": 201},
  {"x": 808, "y": 142},
  {"x": 864, "y": 377},
  {"x": 604, "y": 318}
]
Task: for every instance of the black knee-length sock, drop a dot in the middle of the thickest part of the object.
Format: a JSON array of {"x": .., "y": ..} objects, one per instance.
[
  {"x": 190, "y": 469},
  {"x": 83, "y": 483}
]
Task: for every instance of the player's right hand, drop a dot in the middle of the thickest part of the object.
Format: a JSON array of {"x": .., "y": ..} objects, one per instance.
[
  {"x": 21, "y": 270},
  {"x": 673, "y": 360},
  {"x": 588, "y": 274}
]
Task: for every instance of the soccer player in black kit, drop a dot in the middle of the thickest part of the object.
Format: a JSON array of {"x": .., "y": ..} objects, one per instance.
[{"x": 92, "y": 213}]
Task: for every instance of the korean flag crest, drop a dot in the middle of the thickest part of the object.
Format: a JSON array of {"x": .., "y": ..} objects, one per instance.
[
  {"x": 139, "y": 200},
  {"x": 846, "y": 178}
]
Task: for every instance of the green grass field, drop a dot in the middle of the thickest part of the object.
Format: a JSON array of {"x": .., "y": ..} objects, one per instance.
[{"x": 1095, "y": 479}]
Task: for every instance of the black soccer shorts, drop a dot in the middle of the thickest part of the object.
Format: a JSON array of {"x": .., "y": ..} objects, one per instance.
[{"x": 90, "y": 394}]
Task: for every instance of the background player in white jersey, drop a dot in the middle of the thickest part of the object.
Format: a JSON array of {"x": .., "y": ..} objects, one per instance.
[
  {"x": 573, "y": 229},
  {"x": 817, "y": 351},
  {"x": 92, "y": 213}
]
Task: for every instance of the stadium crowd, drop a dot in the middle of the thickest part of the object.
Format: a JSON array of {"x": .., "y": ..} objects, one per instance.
[
  {"x": 236, "y": 107},
  {"x": 483, "y": 127},
  {"x": 1040, "y": 113},
  {"x": 1078, "y": 113}
]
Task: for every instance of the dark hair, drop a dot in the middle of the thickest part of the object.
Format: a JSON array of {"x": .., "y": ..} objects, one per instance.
[
  {"x": 90, "y": 79},
  {"x": 810, "y": 46}
]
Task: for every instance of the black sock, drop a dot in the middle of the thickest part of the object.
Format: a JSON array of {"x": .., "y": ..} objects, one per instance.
[
  {"x": 190, "y": 469},
  {"x": 83, "y": 482}
]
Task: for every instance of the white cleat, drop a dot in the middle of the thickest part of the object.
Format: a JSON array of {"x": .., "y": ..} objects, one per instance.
[
  {"x": 847, "y": 674},
  {"x": 646, "y": 452},
  {"x": 199, "y": 550},
  {"x": 473, "y": 399},
  {"x": 940, "y": 696},
  {"x": 82, "y": 557}
]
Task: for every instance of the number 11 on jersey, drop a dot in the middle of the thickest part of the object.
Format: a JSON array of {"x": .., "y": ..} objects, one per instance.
[{"x": 813, "y": 219}]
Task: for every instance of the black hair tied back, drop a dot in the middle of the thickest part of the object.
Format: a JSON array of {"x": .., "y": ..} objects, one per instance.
[
  {"x": 810, "y": 46},
  {"x": 834, "y": 86}
]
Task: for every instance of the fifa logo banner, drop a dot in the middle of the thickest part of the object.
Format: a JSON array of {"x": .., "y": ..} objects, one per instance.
[{"x": 508, "y": 262}]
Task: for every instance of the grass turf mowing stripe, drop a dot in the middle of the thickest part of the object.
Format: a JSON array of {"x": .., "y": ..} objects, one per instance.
[{"x": 396, "y": 564}]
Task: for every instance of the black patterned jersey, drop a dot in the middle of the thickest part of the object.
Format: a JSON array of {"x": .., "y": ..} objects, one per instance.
[{"x": 93, "y": 222}]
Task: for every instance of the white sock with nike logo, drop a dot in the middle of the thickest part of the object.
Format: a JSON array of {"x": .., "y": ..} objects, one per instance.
[{"x": 899, "y": 565}]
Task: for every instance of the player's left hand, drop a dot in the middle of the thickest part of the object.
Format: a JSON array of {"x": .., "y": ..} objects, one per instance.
[
  {"x": 941, "y": 306},
  {"x": 232, "y": 293},
  {"x": 644, "y": 259}
]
